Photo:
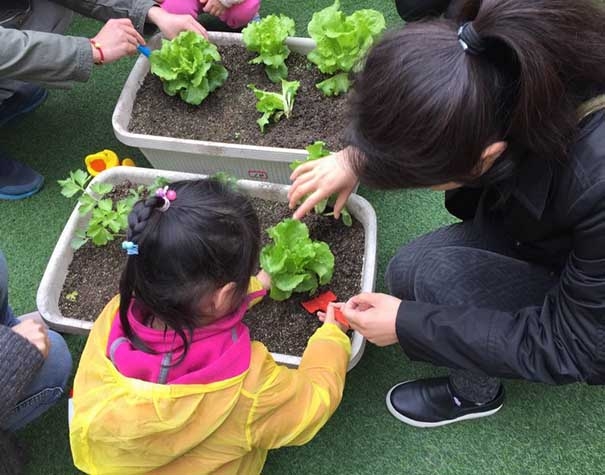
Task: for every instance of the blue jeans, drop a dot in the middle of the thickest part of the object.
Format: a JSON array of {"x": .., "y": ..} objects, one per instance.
[{"x": 48, "y": 385}]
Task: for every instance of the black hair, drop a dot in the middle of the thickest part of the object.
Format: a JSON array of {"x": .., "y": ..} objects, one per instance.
[
  {"x": 423, "y": 110},
  {"x": 209, "y": 237}
]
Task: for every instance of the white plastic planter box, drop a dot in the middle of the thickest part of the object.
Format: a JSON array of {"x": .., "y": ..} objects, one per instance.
[
  {"x": 56, "y": 271},
  {"x": 248, "y": 162}
]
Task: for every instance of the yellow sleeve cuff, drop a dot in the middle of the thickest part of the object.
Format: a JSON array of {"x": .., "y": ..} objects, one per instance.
[{"x": 254, "y": 286}]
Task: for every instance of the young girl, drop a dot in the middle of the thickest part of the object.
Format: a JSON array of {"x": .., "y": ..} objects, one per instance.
[
  {"x": 501, "y": 106},
  {"x": 235, "y": 13},
  {"x": 169, "y": 381}
]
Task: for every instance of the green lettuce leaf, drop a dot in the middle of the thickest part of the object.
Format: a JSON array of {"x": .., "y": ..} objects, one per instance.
[
  {"x": 267, "y": 37},
  {"x": 294, "y": 261},
  {"x": 274, "y": 105},
  {"x": 188, "y": 65},
  {"x": 342, "y": 43}
]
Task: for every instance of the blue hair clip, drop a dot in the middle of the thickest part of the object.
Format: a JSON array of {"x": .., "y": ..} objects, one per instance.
[{"x": 131, "y": 248}]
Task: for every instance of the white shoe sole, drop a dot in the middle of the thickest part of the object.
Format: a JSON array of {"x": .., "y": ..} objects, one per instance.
[{"x": 426, "y": 425}]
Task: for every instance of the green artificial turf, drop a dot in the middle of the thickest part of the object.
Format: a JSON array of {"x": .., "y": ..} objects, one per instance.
[{"x": 540, "y": 430}]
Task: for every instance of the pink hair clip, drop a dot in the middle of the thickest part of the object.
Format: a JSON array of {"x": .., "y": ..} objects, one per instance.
[{"x": 167, "y": 195}]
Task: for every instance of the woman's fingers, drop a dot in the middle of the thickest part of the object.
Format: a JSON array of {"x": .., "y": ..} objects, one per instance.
[
  {"x": 309, "y": 203},
  {"x": 374, "y": 316},
  {"x": 302, "y": 169},
  {"x": 303, "y": 186},
  {"x": 341, "y": 201}
]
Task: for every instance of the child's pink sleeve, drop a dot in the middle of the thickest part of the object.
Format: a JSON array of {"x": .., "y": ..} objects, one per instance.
[
  {"x": 239, "y": 13},
  {"x": 182, "y": 7}
]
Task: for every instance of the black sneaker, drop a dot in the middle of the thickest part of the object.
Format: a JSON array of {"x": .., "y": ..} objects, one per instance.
[{"x": 432, "y": 403}]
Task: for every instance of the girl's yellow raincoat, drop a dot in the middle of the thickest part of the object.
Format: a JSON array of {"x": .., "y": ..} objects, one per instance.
[{"x": 126, "y": 426}]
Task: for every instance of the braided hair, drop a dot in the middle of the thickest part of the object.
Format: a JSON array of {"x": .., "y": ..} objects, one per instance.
[{"x": 209, "y": 237}]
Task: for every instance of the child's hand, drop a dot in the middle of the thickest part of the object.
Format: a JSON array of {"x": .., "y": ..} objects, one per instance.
[
  {"x": 329, "y": 316},
  {"x": 171, "y": 24},
  {"x": 264, "y": 279},
  {"x": 213, "y": 7}
]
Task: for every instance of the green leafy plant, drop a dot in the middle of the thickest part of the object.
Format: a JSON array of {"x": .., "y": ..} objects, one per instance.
[
  {"x": 267, "y": 37},
  {"x": 342, "y": 43},
  {"x": 274, "y": 105},
  {"x": 316, "y": 151},
  {"x": 294, "y": 261},
  {"x": 190, "y": 66},
  {"x": 108, "y": 220},
  {"x": 226, "y": 179}
]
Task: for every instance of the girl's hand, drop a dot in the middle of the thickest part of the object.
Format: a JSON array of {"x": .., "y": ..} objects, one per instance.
[
  {"x": 171, "y": 24},
  {"x": 328, "y": 317},
  {"x": 117, "y": 38},
  {"x": 36, "y": 333},
  {"x": 264, "y": 279},
  {"x": 374, "y": 316},
  {"x": 319, "y": 179},
  {"x": 213, "y": 7}
]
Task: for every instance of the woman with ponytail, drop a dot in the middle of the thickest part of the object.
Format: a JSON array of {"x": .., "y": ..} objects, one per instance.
[{"x": 499, "y": 105}]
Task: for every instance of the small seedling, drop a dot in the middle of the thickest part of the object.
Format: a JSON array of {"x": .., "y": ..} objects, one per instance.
[
  {"x": 294, "y": 261},
  {"x": 267, "y": 37},
  {"x": 226, "y": 179},
  {"x": 108, "y": 220},
  {"x": 274, "y": 105},
  {"x": 72, "y": 296},
  {"x": 316, "y": 151}
]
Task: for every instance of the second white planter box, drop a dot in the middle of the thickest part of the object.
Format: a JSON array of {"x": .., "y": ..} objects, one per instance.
[
  {"x": 249, "y": 162},
  {"x": 54, "y": 276}
]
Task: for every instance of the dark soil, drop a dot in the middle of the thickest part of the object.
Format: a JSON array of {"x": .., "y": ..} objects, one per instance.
[
  {"x": 229, "y": 114},
  {"x": 284, "y": 327},
  {"x": 94, "y": 274}
]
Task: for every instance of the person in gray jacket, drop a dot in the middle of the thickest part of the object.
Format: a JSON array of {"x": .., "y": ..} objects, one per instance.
[{"x": 35, "y": 55}]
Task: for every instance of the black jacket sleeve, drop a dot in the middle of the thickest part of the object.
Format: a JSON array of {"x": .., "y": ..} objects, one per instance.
[
  {"x": 562, "y": 341},
  {"x": 19, "y": 362}
]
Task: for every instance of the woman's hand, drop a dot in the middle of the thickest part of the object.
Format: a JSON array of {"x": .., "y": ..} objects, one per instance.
[
  {"x": 374, "y": 316},
  {"x": 117, "y": 38},
  {"x": 171, "y": 24},
  {"x": 213, "y": 7},
  {"x": 319, "y": 179},
  {"x": 36, "y": 333},
  {"x": 329, "y": 317}
]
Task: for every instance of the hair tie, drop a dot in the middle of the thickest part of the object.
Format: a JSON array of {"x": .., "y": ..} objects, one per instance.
[
  {"x": 167, "y": 195},
  {"x": 131, "y": 248},
  {"x": 470, "y": 40}
]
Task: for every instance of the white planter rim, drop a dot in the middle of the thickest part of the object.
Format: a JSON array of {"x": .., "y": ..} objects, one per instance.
[{"x": 54, "y": 276}]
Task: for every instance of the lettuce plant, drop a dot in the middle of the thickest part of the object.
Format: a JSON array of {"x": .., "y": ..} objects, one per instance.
[
  {"x": 342, "y": 43},
  {"x": 190, "y": 66},
  {"x": 274, "y": 105},
  {"x": 267, "y": 37},
  {"x": 294, "y": 261},
  {"x": 316, "y": 151},
  {"x": 108, "y": 219}
]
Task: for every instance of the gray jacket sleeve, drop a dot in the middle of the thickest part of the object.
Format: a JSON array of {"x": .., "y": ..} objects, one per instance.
[
  {"x": 55, "y": 60},
  {"x": 44, "y": 58},
  {"x": 19, "y": 362},
  {"x": 103, "y": 10}
]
